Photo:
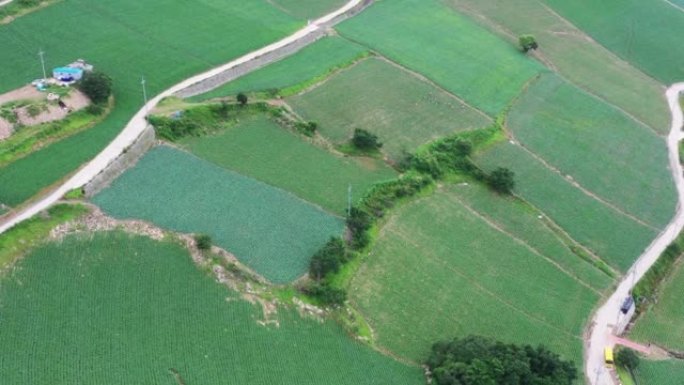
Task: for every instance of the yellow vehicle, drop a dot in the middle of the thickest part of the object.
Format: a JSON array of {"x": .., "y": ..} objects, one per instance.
[{"x": 608, "y": 355}]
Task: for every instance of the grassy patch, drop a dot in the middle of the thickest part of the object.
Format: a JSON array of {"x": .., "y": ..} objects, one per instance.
[
  {"x": 437, "y": 271},
  {"x": 646, "y": 33},
  {"x": 669, "y": 372},
  {"x": 573, "y": 54},
  {"x": 614, "y": 237},
  {"x": 448, "y": 48},
  {"x": 602, "y": 149},
  {"x": 162, "y": 314},
  {"x": 268, "y": 229},
  {"x": 30, "y": 233},
  {"x": 258, "y": 147},
  {"x": 294, "y": 73},
  {"x": 403, "y": 111}
]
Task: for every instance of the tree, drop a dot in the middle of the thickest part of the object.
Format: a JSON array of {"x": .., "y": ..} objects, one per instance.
[
  {"x": 528, "y": 42},
  {"x": 627, "y": 358},
  {"x": 203, "y": 241},
  {"x": 96, "y": 85},
  {"x": 328, "y": 259},
  {"x": 327, "y": 294},
  {"x": 364, "y": 140},
  {"x": 501, "y": 180},
  {"x": 476, "y": 360},
  {"x": 242, "y": 98}
]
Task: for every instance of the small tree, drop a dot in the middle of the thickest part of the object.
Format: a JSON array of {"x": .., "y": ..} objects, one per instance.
[
  {"x": 97, "y": 86},
  {"x": 203, "y": 241},
  {"x": 242, "y": 98},
  {"x": 327, "y": 294},
  {"x": 364, "y": 140},
  {"x": 328, "y": 259},
  {"x": 528, "y": 42},
  {"x": 627, "y": 358},
  {"x": 501, "y": 180}
]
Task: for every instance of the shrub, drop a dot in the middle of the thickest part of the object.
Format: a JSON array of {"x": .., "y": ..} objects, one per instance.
[
  {"x": 95, "y": 109},
  {"x": 327, "y": 294},
  {"x": 627, "y": 358},
  {"x": 328, "y": 259},
  {"x": 501, "y": 180},
  {"x": 528, "y": 42},
  {"x": 242, "y": 98},
  {"x": 364, "y": 140},
  {"x": 203, "y": 241}
]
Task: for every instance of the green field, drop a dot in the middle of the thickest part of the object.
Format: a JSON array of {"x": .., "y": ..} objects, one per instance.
[
  {"x": 448, "y": 48},
  {"x": 111, "y": 308},
  {"x": 308, "y": 9},
  {"x": 167, "y": 50},
  {"x": 646, "y": 33},
  {"x": 663, "y": 324},
  {"x": 437, "y": 272},
  {"x": 661, "y": 372},
  {"x": 615, "y": 237},
  {"x": 603, "y": 150},
  {"x": 573, "y": 54},
  {"x": 266, "y": 228},
  {"x": 524, "y": 222},
  {"x": 259, "y": 148},
  {"x": 312, "y": 62},
  {"x": 401, "y": 109}
]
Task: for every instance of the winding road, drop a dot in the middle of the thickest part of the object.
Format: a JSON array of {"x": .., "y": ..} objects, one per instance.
[
  {"x": 138, "y": 123},
  {"x": 604, "y": 322}
]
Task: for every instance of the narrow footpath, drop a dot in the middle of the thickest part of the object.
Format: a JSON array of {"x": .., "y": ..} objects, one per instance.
[
  {"x": 608, "y": 321},
  {"x": 138, "y": 123}
]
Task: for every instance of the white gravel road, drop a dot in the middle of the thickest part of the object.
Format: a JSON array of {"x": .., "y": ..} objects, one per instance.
[
  {"x": 602, "y": 324},
  {"x": 138, "y": 123}
]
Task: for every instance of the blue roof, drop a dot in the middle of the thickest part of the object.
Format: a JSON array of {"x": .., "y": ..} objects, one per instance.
[{"x": 68, "y": 70}]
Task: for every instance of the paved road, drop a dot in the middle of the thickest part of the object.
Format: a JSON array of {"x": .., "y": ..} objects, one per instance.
[
  {"x": 605, "y": 319},
  {"x": 5, "y": 2},
  {"x": 138, "y": 123}
]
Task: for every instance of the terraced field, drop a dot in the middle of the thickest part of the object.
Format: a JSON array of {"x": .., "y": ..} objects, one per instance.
[
  {"x": 267, "y": 229},
  {"x": 646, "y": 33},
  {"x": 305, "y": 67},
  {"x": 574, "y": 55},
  {"x": 259, "y": 148},
  {"x": 110, "y": 308},
  {"x": 401, "y": 109},
  {"x": 616, "y": 238},
  {"x": 165, "y": 51},
  {"x": 438, "y": 271},
  {"x": 446, "y": 47},
  {"x": 603, "y": 150}
]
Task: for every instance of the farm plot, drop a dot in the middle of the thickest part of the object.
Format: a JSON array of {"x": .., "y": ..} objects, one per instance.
[
  {"x": 259, "y": 148},
  {"x": 111, "y": 308},
  {"x": 575, "y": 55},
  {"x": 669, "y": 372},
  {"x": 437, "y": 272},
  {"x": 401, "y": 109},
  {"x": 599, "y": 147},
  {"x": 305, "y": 67},
  {"x": 529, "y": 225},
  {"x": 646, "y": 33},
  {"x": 663, "y": 324},
  {"x": 268, "y": 229},
  {"x": 615, "y": 237},
  {"x": 308, "y": 9},
  {"x": 448, "y": 48},
  {"x": 165, "y": 51}
]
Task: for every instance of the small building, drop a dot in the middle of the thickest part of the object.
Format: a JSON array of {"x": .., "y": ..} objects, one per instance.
[{"x": 67, "y": 74}]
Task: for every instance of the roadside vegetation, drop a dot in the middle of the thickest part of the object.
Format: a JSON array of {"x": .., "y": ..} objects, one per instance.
[{"x": 18, "y": 8}]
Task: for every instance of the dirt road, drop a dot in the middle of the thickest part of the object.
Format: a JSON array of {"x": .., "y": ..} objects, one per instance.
[
  {"x": 138, "y": 123},
  {"x": 608, "y": 318}
]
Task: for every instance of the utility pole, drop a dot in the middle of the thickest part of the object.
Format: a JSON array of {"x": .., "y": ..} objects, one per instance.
[
  {"x": 142, "y": 82},
  {"x": 349, "y": 200},
  {"x": 42, "y": 62}
]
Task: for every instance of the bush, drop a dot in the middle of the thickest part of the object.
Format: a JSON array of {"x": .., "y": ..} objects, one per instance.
[
  {"x": 95, "y": 109},
  {"x": 478, "y": 360},
  {"x": 328, "y": 259},
  {"x": 358, "y": 223},
  {"x": 528, "y": 42},
  {"x": 501, "y": 180},
  {"x": 364, "y": 140},
  {"x": 203, "y": 242},
  {"x": 327, "y": 294},
  {"x": 627, "y": 358},
  {"x": 242, "y": 98},
  {"x": 96, "y": 85}
]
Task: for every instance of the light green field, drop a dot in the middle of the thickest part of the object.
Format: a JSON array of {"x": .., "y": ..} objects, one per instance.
[
  {"x": 448, "y": 48},
  {"x": 646, "y": 33},
  {"x": 259, "y": 148},
  {"x": 312, "y": 62},
  {"x": 266, "y": 228},
  {"x": 661, "y": 372},
  {"x": 603, "y": 150},
  {"x": 401, "y": 109},
  {"x": 158, "y": 41},
  {"x": 616, "y": 238},
  {"x": 663, "y": 324},
  {"x": 110, "y": 308},
  {"x": 573, "y": 54},
  {"x": 525, "y": 223},
  {"x": 438, "y": 272},
  {"x": 308, "y": 9}
]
